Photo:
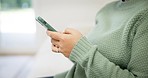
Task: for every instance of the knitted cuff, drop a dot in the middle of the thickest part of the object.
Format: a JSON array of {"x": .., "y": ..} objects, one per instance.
[{"x": 81, "y": 50}]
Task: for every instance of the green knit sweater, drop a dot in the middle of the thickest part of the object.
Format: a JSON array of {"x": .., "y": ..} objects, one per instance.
[{"x": 117, "y": 47}]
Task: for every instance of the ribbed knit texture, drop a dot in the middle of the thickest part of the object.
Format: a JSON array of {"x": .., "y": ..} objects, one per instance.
[{"x": 117, "y": 47}]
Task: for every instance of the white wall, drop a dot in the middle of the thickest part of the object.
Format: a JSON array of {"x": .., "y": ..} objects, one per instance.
[{"x": 78, "y": 14}]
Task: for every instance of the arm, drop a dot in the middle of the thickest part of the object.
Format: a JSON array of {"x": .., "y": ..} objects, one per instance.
[
  {"x": 95, "y": 64},
  {"x": 61, "y": 75},
  {"x": 98, "y": 66}
]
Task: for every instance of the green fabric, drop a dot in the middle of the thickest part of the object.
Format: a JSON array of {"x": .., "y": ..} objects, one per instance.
[{"x": 117, "y": 47}]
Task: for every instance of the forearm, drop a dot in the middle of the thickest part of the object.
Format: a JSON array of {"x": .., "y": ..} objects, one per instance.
[{"x": 95, "y": 64}]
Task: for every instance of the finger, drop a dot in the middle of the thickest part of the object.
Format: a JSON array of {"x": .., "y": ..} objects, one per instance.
[
  {"x": 69, "y": 31},
  {"x": 54, "y": 35},
  {"x": 55, "y": 42},
  {"x": 60, "y": 32},
  {"x": 54, "y": 48},
  {"x": 60, "y": 50}
]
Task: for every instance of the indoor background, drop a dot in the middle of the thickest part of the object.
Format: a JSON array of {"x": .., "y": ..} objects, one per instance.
[{"x": 24, "y": 46}]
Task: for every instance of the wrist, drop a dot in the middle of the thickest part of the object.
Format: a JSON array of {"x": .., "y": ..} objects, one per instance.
[{"x": 80, "y": 50}]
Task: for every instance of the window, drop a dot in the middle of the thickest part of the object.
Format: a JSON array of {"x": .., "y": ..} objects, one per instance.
[{"x": 17, "y": 16}]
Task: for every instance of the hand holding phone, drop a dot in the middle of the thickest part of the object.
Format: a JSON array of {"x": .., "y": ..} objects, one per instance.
[{"x": 45, "y": 24}]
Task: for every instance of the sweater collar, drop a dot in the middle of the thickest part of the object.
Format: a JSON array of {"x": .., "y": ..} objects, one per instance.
[
  {"x": 124, "y": 4},
  {"x": 124, "y": 0}
]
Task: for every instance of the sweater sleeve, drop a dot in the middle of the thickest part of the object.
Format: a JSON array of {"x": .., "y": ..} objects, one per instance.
[
  {"x": 61, "y": 75},
  {"x": 98, "y": 66}
]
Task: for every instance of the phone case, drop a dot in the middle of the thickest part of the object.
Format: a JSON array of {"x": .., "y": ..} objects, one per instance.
[{"x": 45, "y": 24}]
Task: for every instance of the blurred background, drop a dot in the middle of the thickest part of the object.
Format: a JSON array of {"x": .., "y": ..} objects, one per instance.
[{"x": 24, "y": 46}]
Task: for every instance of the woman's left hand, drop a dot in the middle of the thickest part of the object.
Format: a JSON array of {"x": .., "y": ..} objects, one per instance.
[{"x": 64, "y": 42}]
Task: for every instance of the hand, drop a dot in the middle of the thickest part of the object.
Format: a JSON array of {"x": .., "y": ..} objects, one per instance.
[{"x": 64, "y": 42}]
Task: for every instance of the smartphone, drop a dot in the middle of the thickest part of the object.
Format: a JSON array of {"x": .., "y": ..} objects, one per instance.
[{"x": 45, "y": 24}]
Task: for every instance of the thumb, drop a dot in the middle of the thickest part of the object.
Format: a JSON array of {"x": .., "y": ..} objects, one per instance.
[{"x": 69, "y": 31}]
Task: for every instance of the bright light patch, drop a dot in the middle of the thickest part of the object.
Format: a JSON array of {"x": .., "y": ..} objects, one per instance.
[{"x": 18, "y": 21}]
